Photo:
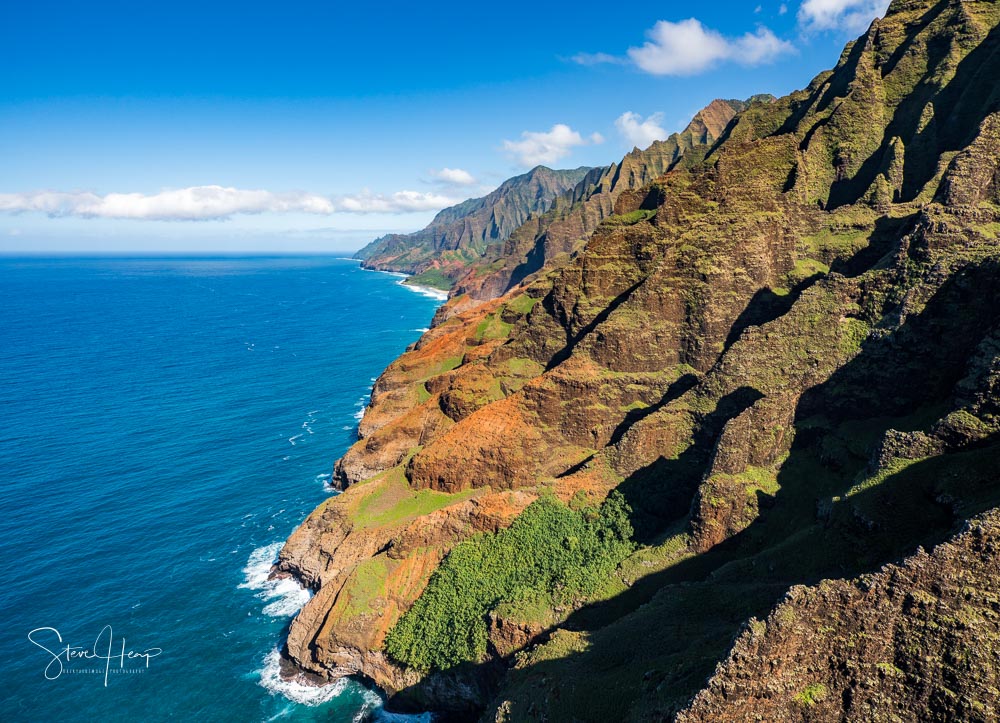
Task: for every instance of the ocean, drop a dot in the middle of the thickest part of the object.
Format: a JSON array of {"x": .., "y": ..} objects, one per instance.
[{"x": 165, "y": 424}]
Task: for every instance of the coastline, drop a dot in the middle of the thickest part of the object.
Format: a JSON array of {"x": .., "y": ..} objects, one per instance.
[
  {"x": 428, "y": 291},
  {"x": 290, "y": 590}
]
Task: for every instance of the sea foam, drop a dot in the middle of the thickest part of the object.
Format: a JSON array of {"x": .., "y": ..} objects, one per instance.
[
  {"x": 284, "y": 596},
  {"x": 301, "y": 693},
  {"x": 425, "y": 291},
  {"x": 314, "y": 695}
]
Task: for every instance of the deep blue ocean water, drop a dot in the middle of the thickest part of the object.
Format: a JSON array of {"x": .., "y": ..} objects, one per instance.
[{"x": 164, "y": 425}]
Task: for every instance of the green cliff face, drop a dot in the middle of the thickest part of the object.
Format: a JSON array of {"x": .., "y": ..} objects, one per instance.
[
  {"x": 463, "y": 234},
  {"x": 772, "y": 365},
  {"x": 552, "y": 239}
]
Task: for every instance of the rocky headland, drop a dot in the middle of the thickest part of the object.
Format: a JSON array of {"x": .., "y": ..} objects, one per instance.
[{"x": 713, "y": 435}]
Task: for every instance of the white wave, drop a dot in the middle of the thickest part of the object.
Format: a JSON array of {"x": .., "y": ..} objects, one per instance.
[
  {"x": 270, "y": 678},
  {"x": 324, "y": 475},
  {"x": 425, "y": 291},
  {"x": 359, "y": 415},
  {"x": 290, "y": 598},
  {"x": 291, "y": 440},
  {"x": 315, "y": 695},
  {"x": 284, "y": 596},
  {"x": 423, "y": 330}
]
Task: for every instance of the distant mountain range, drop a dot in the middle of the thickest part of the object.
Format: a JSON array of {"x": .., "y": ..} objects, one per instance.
[
  {"x": 470, "y": 245},
  {"x": 462, "y": 234}
]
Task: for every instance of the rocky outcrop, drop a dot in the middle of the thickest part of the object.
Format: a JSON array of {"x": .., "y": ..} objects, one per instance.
[
  {"x": 780, "y": 347},
  {"x": 914, "y": 641}
]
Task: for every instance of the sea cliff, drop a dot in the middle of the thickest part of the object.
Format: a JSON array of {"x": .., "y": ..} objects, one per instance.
[{"x": 778, "y": 352}]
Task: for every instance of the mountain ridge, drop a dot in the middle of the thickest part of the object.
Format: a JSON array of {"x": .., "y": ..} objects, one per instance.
[
  {"x": 779, "y": 355},
  {"x": 461, "y": 234}
]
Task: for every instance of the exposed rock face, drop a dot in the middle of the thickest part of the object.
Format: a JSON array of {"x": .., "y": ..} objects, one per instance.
[
  {"x": 552, "y": 238},
  {"x": 461, "y": 234},
  {"x": 913, "y": 641},
  {"x": 783, "y": 349}
]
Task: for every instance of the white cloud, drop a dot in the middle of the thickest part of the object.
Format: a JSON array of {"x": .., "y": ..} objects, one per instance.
[
  {"x": 398, "y": 202},
  {"x": 852, "y": 16},
  {"x": 195, "y": 203},
  {"x": 688, "y": 47},
  {"x": 598, "y": 59},
  {"x": 454, "y": 176},
  {"x": 200, "y": 203},
  {"x": 641, "y": 132},
  {"x": 548, "y": 147},
  {"x": 782, "y": 9}
]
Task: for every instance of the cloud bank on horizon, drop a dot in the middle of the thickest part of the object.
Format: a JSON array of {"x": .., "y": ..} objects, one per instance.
[
  {"x": 204, "y": 203},
  {"x": 685, "y": 47}
]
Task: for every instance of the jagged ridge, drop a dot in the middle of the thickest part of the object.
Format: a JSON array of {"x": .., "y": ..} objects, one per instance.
[
  {"x": 462, "y": 234},
  {"x": 783, "y": 352}
]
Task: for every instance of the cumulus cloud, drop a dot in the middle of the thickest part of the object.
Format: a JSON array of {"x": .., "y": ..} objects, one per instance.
[
  {"x": 853, "y": 16},
  {"x": 454, "y": 176},
  {"x": 548, "y": 147},
  {"x": 202, "y": 203},
  {"x": 398, "y": 202},
  {"x": 641, "y": 132},
  {"x": 688, "y": 47}
]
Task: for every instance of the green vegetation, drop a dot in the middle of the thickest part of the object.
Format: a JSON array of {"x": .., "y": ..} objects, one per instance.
[
  {"x": 367, "y": 584},
  {"x": 434, "y": 278},
  {"x": 492, "y": 327},
  {"x": 629, "y": 219},
  {"x": 855, "y": 333},
  {"x": 889, "y": 669},
  {"x": 811, "y": 695},
  {"x": 522, "y": 304},
  {"x": 393, "y": 501},
  {"x": 445, "y": 365},
  {"x": 550, "y": 550},
  {"x": 524, "y": 367}
]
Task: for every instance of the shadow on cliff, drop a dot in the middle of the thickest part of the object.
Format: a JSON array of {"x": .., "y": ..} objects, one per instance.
[
  {"x": 573, "y": 339},
  {"x": 659, "y": 639},
  {"x": 958, "y": 109},
  {"x": 660, "y": 493}
]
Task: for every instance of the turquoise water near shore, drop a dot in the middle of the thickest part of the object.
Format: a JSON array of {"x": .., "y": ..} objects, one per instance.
[{"x": 165, "y": 424}]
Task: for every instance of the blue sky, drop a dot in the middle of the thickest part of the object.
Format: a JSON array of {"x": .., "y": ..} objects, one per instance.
[{"x": 314, "y": 126}]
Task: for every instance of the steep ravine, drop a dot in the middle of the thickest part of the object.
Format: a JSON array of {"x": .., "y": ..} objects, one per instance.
[{"x": 783, "y": 352}]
